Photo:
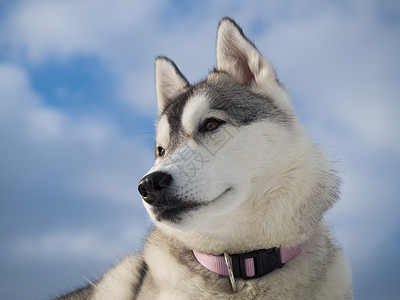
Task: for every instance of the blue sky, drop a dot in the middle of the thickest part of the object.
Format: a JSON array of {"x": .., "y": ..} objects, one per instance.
[{"x": 77, "y": 107}]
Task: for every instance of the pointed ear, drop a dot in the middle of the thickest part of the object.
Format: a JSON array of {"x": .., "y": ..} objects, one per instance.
[
  {"x": 237, "y": 56},
  {"x": 169, "y": 80}
]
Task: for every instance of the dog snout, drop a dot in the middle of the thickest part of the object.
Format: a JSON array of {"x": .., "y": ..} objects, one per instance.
[{"x": 152, "y": 187}]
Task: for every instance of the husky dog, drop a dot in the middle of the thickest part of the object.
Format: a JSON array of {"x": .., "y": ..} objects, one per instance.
[{"x": 237, "y": 192}]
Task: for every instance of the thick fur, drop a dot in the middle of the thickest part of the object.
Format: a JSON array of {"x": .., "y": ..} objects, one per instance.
[{"x": 255, "y": 181}]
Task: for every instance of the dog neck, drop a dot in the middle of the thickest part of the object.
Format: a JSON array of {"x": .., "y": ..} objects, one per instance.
[{"x": 248, "y": 265}]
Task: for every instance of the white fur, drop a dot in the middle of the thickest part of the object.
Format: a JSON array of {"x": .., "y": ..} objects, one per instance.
[
  {"x": 162, "y": 137},
  {"x": 115, "y": 284},
  {"x": 195, "y": 109},
  {"x": 168, "y": 82}
]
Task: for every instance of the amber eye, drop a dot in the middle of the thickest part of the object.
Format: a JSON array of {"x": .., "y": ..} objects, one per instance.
[
  {"x": 210, "y": 124},
  {"x": 160, "y": 151}
]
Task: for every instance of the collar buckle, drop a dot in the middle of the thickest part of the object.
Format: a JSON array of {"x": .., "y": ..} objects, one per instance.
[{"x": 264, "y": 261}]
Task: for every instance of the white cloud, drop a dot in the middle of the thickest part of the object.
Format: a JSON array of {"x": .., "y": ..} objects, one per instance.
[
  {"x": 45, "y": 123},
  {"x": 366, "y": 215},
  {"x": 15, "y": 90},
  {"x": 86, "y": 245},
  {"x": 136, "y": 89},
  {"x": 65, "y": 28}
]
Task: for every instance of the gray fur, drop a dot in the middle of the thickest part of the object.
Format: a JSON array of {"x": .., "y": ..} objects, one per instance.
[
  {"x": 241, "y": 104},
  {"x": 82, "y": 293}
]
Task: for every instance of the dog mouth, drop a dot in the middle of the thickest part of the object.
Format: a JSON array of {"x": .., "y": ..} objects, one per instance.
[
  {"x": 176, "y": 212},
  {"x": 216, "y": 199}
]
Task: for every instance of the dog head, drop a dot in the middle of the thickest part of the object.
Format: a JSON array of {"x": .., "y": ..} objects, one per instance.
[{"x": 234, "y": 170}]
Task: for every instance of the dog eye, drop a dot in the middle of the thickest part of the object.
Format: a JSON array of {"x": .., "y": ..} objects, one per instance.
[
  {"x": 160, "y": 151},
  {"x": 210, "y": 124}
]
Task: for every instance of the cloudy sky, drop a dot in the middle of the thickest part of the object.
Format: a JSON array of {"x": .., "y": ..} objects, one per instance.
[{"x": 77, "y": 106}]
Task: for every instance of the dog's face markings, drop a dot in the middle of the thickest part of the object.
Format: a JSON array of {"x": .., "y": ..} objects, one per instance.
[
  {"x": 194, "y": 113},
  {"x": 162, "y": 138},
  {"x": 221, "y": 98},
  {"x": 242, "y": 104},
  {"x": 208, "y": 128}
]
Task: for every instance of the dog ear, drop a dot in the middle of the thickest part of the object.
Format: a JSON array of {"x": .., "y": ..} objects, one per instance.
[
  {"x": 237, "y": 56},
  {"x": 169, "y": 80}
]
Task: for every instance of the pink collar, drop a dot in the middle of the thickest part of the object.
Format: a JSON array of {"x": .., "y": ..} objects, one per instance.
[{"x": 248, "y": 265}]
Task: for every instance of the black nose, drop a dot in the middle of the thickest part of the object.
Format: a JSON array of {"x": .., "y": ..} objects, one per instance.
[{"x": 152, "y": 186}]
